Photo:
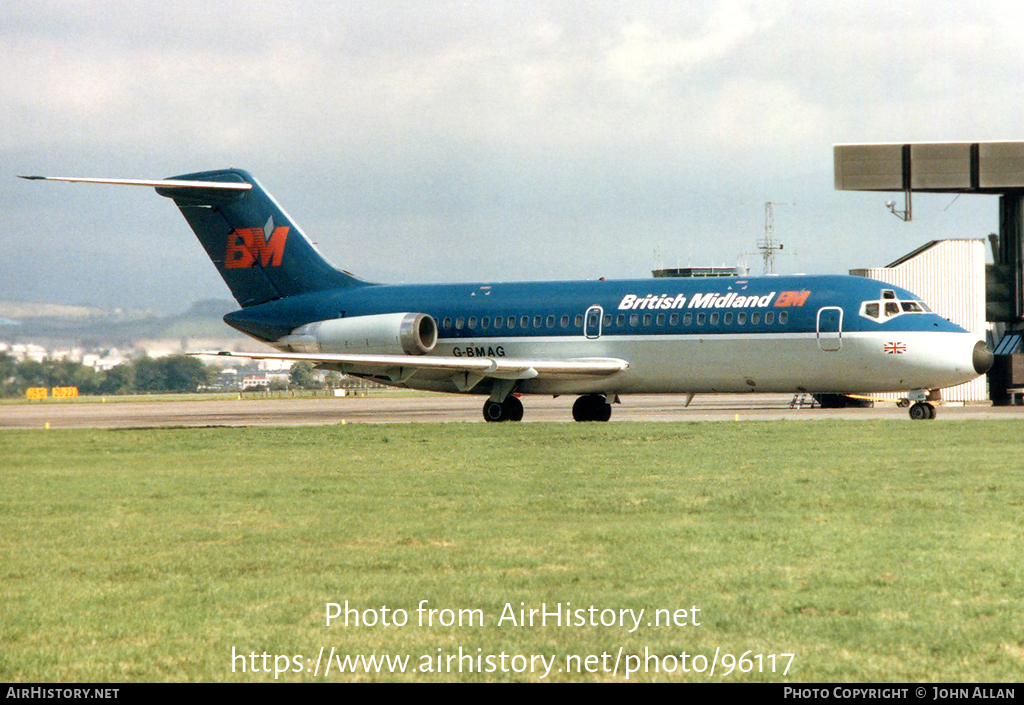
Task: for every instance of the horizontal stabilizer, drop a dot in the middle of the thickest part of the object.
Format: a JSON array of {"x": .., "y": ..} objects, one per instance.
[{"x": 155, "y": 183}]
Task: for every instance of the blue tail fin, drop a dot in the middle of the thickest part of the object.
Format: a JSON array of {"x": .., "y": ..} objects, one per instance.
[{"x": 261, "y": 254}]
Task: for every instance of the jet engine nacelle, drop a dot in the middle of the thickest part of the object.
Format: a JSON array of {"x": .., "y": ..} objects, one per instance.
[{"x": 383, "y": 334}]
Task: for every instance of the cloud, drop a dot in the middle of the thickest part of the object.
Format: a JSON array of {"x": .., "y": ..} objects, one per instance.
[
  {"x": 426, "y": 123},
  {"x": 645, "y": 56}
]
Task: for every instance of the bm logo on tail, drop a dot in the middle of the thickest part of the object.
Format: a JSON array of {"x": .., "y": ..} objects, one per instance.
[{"x": 247, "y": 246}]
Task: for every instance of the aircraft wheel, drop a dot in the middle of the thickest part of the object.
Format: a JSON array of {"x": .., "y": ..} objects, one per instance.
[
  {"x": 591, "y": 407},
  {"x": 509, "y": 410},
  {"x": 581, "y": 409},
  {"x": 494, "y": 412},
  {"x": 920, "y": 411},
  {"x": 513, "y": 408}
]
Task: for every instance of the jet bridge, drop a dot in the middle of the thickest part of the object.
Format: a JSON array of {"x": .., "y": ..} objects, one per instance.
[{"x": 992, "y": 168}]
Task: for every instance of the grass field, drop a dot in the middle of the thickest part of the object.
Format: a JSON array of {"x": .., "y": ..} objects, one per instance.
[{"x": 871, "y": 551}]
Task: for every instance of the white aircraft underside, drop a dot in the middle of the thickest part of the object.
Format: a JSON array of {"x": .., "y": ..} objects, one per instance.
[{"x": 783, "y": 362}]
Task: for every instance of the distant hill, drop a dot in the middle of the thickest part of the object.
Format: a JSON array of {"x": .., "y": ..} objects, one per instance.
[
  {"x": 44, "y": 324},
  {"x": 29, "y": 310}
]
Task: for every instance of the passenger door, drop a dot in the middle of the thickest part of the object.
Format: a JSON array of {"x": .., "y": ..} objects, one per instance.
[
  {"x": 592, "y": 322},
  {"x": 830, "y": 328}
]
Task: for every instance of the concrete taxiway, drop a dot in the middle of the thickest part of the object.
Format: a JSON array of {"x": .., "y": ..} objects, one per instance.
[{"x": 440, "y": 408}]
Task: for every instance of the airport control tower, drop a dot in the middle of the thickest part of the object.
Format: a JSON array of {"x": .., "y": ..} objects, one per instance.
[{"x": 993, "y": 168}]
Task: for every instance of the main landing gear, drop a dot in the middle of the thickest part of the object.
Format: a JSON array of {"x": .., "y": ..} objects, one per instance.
[
  {"x": 509, "y": 410},
  {"x": 592, "y": 407},
  {"x": 589, "y": 407}
]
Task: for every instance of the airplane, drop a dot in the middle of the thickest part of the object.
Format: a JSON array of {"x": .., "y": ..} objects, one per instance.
[{"x": 599, "y": 339}]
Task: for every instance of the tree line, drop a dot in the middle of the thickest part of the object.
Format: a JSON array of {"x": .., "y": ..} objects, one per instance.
[{"x": 175, "y": 373}]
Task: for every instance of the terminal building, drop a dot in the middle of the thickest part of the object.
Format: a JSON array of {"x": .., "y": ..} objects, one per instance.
[{"x": 698, "y": 272}]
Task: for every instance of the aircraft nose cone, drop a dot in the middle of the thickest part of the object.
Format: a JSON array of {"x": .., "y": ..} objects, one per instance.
[{"x": 983, "y": 358}]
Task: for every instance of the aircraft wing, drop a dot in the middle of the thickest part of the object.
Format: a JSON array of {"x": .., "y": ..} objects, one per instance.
[{"x": 464, "y": 372}]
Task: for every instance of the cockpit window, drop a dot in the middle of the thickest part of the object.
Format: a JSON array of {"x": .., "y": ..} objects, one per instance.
[
  {"x": 888, "y": 294},
  {"x": 887, "y": 307}
]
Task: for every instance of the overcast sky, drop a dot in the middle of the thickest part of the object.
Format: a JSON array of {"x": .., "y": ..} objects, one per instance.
[{"x": 486, "y": 140}]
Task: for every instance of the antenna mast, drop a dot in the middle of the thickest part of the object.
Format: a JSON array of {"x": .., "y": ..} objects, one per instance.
[{"x": 767, "y": 245}]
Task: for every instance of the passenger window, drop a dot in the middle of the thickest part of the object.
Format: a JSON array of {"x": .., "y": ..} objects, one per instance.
[
  {"x": 634, "y": 319},
  {"x": 661, "y": 319},
  {"x": 647, "y": 319},
  {"x": 499, "y": 321},
  {"x": 485, "y": 322},
  {"x": 447, "y": 322},
  {"x": 700, "y": 319},
  {"x": 472, "y": 322},
  {"x": 607, "y": 320},
  {"x": 741, "y": 318},
  {"x": 551, "y": 321},
  {"x": 687, "y": 319},
  {"x": 511, "y": 322},
  {"x": 537, "y": 320},
  {"x": 714, "y": 319},
  {"x": 728, "y": 318},
  {"x": 783, "y": 317},
  {"x": 565, "y": 321},
  {"x": 755, "y": 318},
  {"x": 524, "y": 322},
  {"x": 769, "y": 318},
  {"x": 673, "y": 320},
  {"x": 620, "y": 320},
  {"x": 578, "y": 322},
  {"x": 459, "y": 323}
]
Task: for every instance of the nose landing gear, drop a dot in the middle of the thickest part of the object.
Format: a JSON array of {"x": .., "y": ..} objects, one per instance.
[{"x": 922, "y": 410}]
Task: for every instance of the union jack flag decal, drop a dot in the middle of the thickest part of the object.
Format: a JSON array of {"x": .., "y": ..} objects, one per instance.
[{"x": 894, "y": 348}]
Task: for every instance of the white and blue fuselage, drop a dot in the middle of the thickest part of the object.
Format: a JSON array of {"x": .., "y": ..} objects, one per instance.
[{"x": 756, "y": 334}]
